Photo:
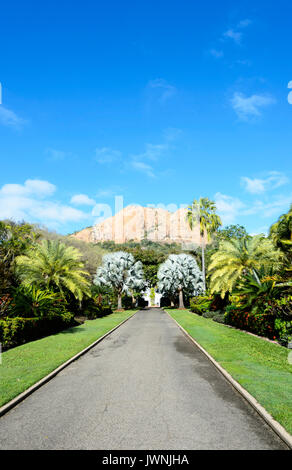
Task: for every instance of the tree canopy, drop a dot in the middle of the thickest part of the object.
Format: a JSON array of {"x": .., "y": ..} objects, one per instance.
[{"x": 179, "y": 274}]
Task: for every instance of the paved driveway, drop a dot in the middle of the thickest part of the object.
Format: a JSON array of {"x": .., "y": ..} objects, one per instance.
[{"x": 146, "y": 386}]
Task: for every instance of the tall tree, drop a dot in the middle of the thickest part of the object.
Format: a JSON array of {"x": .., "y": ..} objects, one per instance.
[
  {"x": 180, "y": 274},
  {"x": 240, "y": 256},
  {"x": 281, "y": 234},
  {"x": 232, "y": 231},
  {"x": 53, "y": 266},
  {"x": 281, "y": 231},
  {"x": 15, "y": 238},
  {"x": 122, "y": 273},
  {"x": 202, "y": 212}
]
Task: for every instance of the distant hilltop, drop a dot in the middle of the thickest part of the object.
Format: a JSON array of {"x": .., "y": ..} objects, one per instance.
[{"x": 138, "y": 223}]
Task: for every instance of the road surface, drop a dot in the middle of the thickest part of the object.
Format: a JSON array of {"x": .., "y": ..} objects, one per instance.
[{"x": 146, "y": 386}]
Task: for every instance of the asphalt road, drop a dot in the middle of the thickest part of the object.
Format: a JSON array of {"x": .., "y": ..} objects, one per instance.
[{"x": 146, "y": 386}]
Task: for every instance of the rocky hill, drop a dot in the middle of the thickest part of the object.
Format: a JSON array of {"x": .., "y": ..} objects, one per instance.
[{"x": 138, "y": 223}]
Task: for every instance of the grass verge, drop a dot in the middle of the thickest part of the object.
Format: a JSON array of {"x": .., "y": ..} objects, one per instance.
[
  {"x": 25, "y": 365},
  {"x": 262, "y": 368}
]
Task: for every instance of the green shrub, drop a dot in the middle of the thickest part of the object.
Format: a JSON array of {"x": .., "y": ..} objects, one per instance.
[
  {"x": 219, "y": 317},
  {"x": 97, "y": 311},
  {"x": 208, "y": 314},
  {"x": 284, "y": 330},
  {"x": 281, "y": 308},
  {"x": 262, "y": 324},
  {"x": 17, "y": 330},
  {"x": 30, "y": 301},
  {"x": 200, "y": 304}
]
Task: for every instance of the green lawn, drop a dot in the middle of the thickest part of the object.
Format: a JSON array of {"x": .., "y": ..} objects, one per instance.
[
  {"x": 260, "y": 367},
  {"x": 26, "y": 364}
]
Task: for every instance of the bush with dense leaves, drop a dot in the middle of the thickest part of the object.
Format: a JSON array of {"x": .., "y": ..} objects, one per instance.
[
  {"x": 97, "y": 311},
  {"x": 219, "y": 317},
  {"x": 262, "y": 324},
  {"x": 200, "y": 304},
  {"x": 30, "y": 301},
  {"x": 16, "y": 331},
  {"x": 208, "y": 314},
  {"x": 282, "y": 311}
]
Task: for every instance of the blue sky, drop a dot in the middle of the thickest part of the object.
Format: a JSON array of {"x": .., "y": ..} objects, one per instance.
[{"x": 159, "y": 101}]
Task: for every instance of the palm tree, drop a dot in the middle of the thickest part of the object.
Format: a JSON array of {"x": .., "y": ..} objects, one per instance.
[
  {"x": 281, "y": 234},
  {"x": 281, "y": 231},
  {"x": 122, "y": 273},
  {"x": 53, "y": 266},
  {"x": 203, "y": 213},
  {"x": 238, "y": 257},
  {"x": 179, "y": 274}
]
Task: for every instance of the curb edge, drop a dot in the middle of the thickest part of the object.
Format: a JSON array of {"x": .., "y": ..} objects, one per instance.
[
  {"x": 19, "y": 398},
  {"x": 277, "y": 427}
]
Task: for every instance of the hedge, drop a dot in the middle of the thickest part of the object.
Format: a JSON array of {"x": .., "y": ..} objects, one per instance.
[
  {"x": 260, "y": 324},
  {"x": 16, "y": 331},
  {"x": 97, "y": 311}
]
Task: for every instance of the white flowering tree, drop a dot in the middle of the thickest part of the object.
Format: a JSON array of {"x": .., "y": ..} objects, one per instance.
[
  {"x": 122, "y": 273},
  {"x": 179, "y": 274}
]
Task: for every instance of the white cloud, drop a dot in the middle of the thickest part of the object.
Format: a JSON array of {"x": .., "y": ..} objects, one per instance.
[
  {"x": 171, "y": 133},
  {"x": 152, "y": 152},
  {"x": 30, "y": 202},
  {"x": 244, "y": 23},
  {"x": 10, "y": 118},
  {"x": 274, "y": 180},
  {"x": 273, "y": 207},
  {"x": 167, "y": 90},
  {"x": 38, "y": 188},
  {"x": 55, "y": 154},
  {"x": 218, "y": 54},
  {"x": 82, "y": 200},
  {"x": 144, "y": 167},
  {"x": 228, "y": 207},
  {"x": 109, "y": 192},
  {"x": 235, "y": 35},
  {"x": 250, "y": 106},
  {"x": 107, "y": 155}
]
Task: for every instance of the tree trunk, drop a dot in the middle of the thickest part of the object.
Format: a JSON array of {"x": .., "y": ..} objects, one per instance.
[
  {"x": 119, "y": 301},
  {"x": 203, "y": 266},
  {"x": 181, "y": 299}
]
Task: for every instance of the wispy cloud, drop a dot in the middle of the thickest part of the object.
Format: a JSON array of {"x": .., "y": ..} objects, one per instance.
[
  {"x": 143, "y": 167},
  {"x": 232, "y": 209},
  {"x": 235, "y": 35},
  {"x": 228, "y": 207},
  {"x": 250, "y": 106},
  {"x": 218, "y": 54},
  {"x": 10, "y": 118},
  {"x": 274, "y": 180},
  {"x": 270, "y": 208},
  {"x": 244, "y": 23},
  {"x": 152, "y": 152},
  {"x": 55, "y": 154},
  {"x": 166, "y": 91},
  {"x": 107, "y": 155}
]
